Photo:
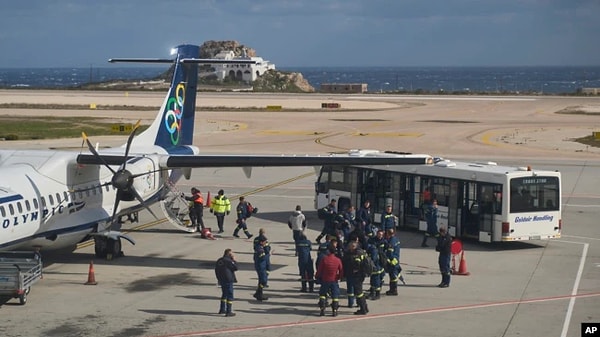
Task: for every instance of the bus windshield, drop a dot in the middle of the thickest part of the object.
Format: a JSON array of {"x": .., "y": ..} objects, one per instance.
[{"x": 534, "y": 194}]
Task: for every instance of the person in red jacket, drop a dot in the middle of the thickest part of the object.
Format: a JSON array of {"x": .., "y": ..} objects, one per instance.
[{"x": 329, "y": 272}]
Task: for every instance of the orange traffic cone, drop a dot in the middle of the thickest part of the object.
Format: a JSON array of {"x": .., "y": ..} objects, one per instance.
[
  {"x": 462, "y": 267},
  {"x": 207, "y": 199},
  {"x": 91, "y": 278}
]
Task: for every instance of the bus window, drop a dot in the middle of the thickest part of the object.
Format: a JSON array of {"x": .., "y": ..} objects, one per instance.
[{"x": 534, "y": 194}]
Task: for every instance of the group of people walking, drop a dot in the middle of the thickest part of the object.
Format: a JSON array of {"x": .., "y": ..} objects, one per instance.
[{"x": 354, "y": 250}]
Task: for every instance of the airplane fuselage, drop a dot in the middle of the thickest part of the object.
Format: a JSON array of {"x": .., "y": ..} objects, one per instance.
[{"x": 49, "y": 201}]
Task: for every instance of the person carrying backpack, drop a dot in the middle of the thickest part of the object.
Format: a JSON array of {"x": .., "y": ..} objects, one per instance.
[{"x": 243, "y": 213}]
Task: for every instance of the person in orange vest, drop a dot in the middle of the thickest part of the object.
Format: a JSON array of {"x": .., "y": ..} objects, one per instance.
[{"x": 196, "y": 208}]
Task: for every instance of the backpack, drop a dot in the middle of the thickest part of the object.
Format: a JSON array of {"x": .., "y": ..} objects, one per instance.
[
  {"x": 367, "y": 267},
  {"x": 250, "y": 209},
  {"x": 323, "y": 213}
]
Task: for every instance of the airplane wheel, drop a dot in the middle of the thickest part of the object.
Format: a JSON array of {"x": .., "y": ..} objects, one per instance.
[
  {"x": 100, "y": 247},
  {"x": 113, "y": 249}
]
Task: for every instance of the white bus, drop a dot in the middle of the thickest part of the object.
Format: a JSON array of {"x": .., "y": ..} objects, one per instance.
[{"x": 484, "y": 201}]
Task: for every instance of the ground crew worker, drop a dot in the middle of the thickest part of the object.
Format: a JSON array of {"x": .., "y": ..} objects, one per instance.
[
  {"x": 431, "y": 216},
  {"x": 305, "y": 263},
  {"x": 444, "y": 245},
  {"x": 261, "y": 252},
  {"x": 354, "y": 257},
  {"x": 392, "y": 253},
  {"x": 196, "y": 209},
  {"x": 329, "y": 272},
  {"x": 327, "y": 214},
  {"x": 220, "y": 206},
  {"x": 225, "y": 271},
  {"x": 242, "y": 215},
  {"x": 377, "y": 254},
  {"x": 262, "y": 237},
  {"x": 388, "y": 220}
]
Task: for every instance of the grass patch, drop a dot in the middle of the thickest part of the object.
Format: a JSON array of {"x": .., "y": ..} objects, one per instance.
[
  {"x": 589, "y": 140},
  {"x": 28, "y": 128}
]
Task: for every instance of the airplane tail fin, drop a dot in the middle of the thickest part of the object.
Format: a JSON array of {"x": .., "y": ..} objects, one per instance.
[{"x": 173, "y": 128}]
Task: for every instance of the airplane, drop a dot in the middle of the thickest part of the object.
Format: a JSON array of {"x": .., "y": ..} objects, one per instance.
[{"x": 51, "y": 199}]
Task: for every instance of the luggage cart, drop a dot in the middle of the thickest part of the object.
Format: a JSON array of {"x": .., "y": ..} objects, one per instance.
[{"x": 18, "y": 272}]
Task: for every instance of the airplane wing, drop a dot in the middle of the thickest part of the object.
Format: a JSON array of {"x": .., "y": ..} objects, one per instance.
[{"x": 354, "y": 157}]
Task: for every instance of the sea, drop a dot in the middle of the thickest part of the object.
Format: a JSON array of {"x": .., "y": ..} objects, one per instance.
[{"x": 514, "y": 80}]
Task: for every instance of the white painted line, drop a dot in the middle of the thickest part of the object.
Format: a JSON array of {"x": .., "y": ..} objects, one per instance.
[{"x": 569, "y": 313}]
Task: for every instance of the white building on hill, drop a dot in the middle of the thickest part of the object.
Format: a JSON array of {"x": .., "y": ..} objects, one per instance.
[{"x": 241, "y": 72}]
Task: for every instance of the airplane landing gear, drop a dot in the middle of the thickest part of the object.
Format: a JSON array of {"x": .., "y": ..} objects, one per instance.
[{"x": 107, "y": 248}]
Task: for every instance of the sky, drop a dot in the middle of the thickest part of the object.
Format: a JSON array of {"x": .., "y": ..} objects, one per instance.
[{"x": 311, "y": 33}]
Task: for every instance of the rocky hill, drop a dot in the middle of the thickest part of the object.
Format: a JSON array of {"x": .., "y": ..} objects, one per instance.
[{"x": 271, "y": 81}]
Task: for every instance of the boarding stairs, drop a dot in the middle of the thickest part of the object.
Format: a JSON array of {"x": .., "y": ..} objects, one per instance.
[{"x": 176, "y": 209}]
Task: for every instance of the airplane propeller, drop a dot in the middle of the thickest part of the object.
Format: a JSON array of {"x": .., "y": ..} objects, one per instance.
[{"x": 122, "y": 179}]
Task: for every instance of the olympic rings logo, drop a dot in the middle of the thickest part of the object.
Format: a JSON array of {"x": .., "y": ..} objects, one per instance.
[{"x": 174, "y": 113}]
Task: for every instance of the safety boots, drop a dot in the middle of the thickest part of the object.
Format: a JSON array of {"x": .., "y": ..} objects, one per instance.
[{"x": 393, "y": 289}]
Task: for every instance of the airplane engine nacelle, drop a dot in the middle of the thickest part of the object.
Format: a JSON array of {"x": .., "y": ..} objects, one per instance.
[{"x": 147, "y": 175}]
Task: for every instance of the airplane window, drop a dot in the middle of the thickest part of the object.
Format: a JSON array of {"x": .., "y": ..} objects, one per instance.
[
  {"x": 2, "y": 211},
  {"x": 51, "y": 199},
  {"x": 58, "y": 197},
  {"x": 66, "y": 195},
  {"x": 28, "y": 205},
  {"x": 43, "y": 201},
  {"x": 11, "y": 208},
  {"x": 80, "y": 195},
  {"x": 19, "y": 207},
  {"x": 35, "y": 203}
]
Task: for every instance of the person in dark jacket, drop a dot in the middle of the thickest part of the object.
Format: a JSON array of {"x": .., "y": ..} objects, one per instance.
[
  {"x": 242, "y": 215},
  {"x": 328, "y": 214},
  {"x": 261, "y": 265},
  {"x": 444, "y": 245},
  {"x": 431, "y": 216},
  {"x": 225, "y": 271},
  {"x": 305, "y": 263}
]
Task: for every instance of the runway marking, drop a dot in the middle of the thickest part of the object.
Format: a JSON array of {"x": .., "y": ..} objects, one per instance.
[
  {"x": 388, "y": 134},
  {"x": 377, "y": 316},
  {"x": 289, "y": 133}
]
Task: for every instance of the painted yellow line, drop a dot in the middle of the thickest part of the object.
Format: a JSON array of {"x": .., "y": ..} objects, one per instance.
[
  {"x": 289, "y": 133},
  {"x": 159, "y": 221},
  {"x": 388, "y": 134}
]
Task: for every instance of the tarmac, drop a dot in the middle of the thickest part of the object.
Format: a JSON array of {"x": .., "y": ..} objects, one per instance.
[{"x": 165, "y": 284}]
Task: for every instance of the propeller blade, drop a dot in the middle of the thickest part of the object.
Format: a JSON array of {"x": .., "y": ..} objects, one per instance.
[
  {"x": 94, "y": 152},
  {"x": 114, "y": 213},
  {"x": 91, "y": 188},
  {"x": 142, "y": 202},
  {"x": 130, "y": 140}
]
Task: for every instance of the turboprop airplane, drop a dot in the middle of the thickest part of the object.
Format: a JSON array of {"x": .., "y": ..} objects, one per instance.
[{"x": 55, "y": 199}]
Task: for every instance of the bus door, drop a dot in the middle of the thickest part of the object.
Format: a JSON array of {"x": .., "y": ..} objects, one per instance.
[
  {"x": 486, "y": 211},
  {"x": 412, "y": 201},
  {"x": 470, "y": 211}
]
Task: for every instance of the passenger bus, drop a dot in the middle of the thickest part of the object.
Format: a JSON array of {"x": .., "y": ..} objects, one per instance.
[{"x": 479, "y": 200}]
